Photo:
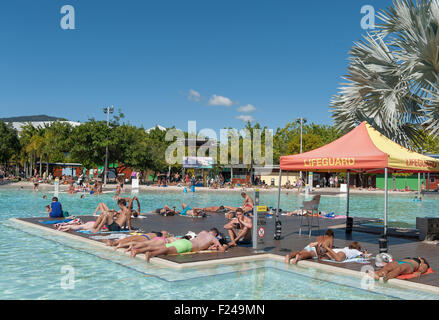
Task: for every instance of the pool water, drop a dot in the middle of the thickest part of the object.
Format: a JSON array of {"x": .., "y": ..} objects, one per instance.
[
  {"x": 34, "y": 268},
  {"x": 39, "y": 265}
]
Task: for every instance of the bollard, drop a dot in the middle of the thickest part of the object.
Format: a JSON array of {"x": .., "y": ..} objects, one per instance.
[
  {"x": 278, "y": 230},
  {"x": 383, "y": 244},
  {"x": 349, "y": 224}
]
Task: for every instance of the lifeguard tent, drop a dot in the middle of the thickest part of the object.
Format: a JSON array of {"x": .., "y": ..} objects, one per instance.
[{"x": 362, "y": 150}]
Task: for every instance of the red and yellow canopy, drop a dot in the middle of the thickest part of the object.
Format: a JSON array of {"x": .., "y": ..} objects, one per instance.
[{"x": 362, "y": 149}]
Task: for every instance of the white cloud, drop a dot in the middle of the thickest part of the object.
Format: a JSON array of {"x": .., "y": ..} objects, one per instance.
[
  {"x": 220, "y": 101},
  {"x": 194, "y": 95},
  {"x": 245, "y": 118},
  {"x": 247, "y": 108}
]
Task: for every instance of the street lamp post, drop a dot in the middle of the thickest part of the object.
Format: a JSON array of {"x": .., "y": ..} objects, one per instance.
[
  {"x": 107, "y": 110},
  {"x": 301, "y": 121}
]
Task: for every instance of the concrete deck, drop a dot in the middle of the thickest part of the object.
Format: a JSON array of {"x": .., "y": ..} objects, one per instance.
[{"x": 401, "y": 245}]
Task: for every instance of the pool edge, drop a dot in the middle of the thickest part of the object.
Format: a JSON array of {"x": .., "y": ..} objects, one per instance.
[{"x": 270, "y": 256}]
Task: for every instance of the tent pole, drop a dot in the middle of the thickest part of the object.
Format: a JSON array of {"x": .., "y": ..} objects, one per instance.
[
  {"x": 347, "y": 187},
  {"x": 386, "y": 174},
  {"x": 419, "y": 185},
  {"x": 428, "y": 181},
  {"x": 349, "y": 220}
]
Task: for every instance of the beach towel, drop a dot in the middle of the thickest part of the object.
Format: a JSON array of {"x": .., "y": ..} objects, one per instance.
[
  {"x": 203, "y": 251},
  {"x": 186, "y": 216},
  {"x": 332, "y": 216},
  {"x": 357, "y": 260},
  {"x": 55, "y": 221},
  {"x": 103, "y": 231},
  {"x": 412, "y": 275},
  {"x": 110, "y": 237}
]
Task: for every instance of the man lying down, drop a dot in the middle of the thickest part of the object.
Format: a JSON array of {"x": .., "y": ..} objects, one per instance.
[{"x": 204, "y": 240}]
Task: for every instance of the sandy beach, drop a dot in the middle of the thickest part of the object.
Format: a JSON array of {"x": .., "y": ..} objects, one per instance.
[{"x": 112, "y": 187}]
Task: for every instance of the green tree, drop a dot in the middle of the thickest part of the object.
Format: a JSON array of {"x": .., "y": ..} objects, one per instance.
[
  {"x": 88, "y": 141},
  {"x": 287, "y": 139},
  {"x": 9, "y": 143}
]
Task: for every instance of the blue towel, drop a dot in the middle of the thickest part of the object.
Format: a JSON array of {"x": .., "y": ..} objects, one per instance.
[{"x": 55, "y": 221}]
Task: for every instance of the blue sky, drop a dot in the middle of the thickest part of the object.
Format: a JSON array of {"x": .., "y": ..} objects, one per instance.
[{"x": 167, "y": 62}]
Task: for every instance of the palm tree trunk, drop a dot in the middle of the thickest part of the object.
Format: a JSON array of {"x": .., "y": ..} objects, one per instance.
[
  {"x": 31, "y": 164},
  {"x": 41, "y": 165},
  {"x": 47, "y": 165}
]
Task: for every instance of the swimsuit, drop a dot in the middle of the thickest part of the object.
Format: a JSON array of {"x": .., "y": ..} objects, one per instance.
[
  {"x": 313, "y": 249},
  {"x": 144, "y": 235},
  {"x": 411, "y": 264},
  {"x": 182, "y": 245},
  {"x": 161, "y": 238},
  {"x": 184, "y": 211},
  {"x": 114, "y": 227}
]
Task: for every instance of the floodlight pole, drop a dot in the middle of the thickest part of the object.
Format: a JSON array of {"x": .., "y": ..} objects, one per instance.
[
  {"x": 302, "y": 121},
  {"x": 107, "y": 110}
]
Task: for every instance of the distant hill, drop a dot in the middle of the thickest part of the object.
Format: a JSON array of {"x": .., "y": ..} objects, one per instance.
[{"x": 41, "y": 117}]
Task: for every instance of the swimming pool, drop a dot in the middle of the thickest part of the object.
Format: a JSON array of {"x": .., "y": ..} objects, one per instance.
[
  {"x": 402, "y": 209},
  {"x": 35, "y": 264},
  {"x": 38, "y": 265}
]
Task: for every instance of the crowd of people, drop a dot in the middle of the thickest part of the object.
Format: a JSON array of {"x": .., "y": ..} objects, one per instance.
[
  {"x": 238, "y": 228},
  {"x": 323, "y": 249}
]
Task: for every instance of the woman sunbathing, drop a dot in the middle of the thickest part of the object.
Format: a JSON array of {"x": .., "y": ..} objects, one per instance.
[
  {"x": 75, "y": 227},
  {"x": 298, "y": 212},
  {"x": 165, "y": 211},
  {"x": 136, "y": 239},
  {"x": 154, "y": 244},
  {"x": 186, "y": 211},
  {"x": 351, "y": 252},
  {"x": 393, "y": 269}
]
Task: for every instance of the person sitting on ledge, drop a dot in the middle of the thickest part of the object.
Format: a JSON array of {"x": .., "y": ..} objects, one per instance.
[
  {"x": 114, "y": 221},
  {"x": 239, "y": 228},
  {"x": 54, "y": 210},
  {"x": 247, "y": 206},
  {"x": 130, "y": 202}
]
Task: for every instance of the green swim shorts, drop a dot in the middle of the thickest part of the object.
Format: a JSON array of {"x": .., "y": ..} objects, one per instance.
[{"x": 182, "y": 245}]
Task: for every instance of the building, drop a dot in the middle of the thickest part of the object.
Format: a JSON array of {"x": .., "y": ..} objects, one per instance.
[
  {"x": 157, "y": 126},
  {"x": 19, "y": 125}
]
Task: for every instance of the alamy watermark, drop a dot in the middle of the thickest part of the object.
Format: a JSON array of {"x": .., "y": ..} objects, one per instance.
[
  {"x": 368, "y": 20},
  {"x": 68, "y": 20},
  {"x": 233, "y": 145},
  {"x": 367, "y": 280},
  {"x": 68, "y": 280}
]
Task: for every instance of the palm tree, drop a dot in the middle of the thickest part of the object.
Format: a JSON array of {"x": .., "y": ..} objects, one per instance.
[{"x": 393, "y": 75}]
